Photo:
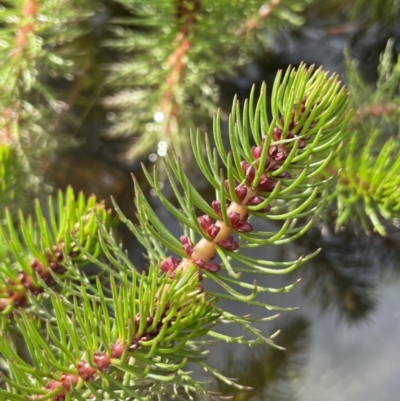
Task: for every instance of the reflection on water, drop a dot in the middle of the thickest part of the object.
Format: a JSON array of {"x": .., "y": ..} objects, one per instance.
[
  {"x": 344, "y": 275},
  {"x": 270, "y": 372},
  {"x": 353, "y": 280}
]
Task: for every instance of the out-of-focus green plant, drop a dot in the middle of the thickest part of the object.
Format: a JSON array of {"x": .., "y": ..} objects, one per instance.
[
  {"x": 34, "y": 41},
  {"x": 368, "y": 191},
  {"x": 9, "y": 174},
  {"x": 172, "y": 52},
  {"x": 375, "y": 10}
]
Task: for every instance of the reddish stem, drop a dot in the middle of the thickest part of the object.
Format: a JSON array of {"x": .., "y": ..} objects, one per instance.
[
  {"x": 29, "y": 10},
  {"x": 168, "y": 103}
]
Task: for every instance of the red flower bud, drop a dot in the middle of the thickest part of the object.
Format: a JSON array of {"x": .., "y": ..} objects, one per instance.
[
  {"x": 226, "y": 185},
  {"x": 277, "y": 152},
  {"x": 244, "y": 227},
  {"x": 266, "y": 184},
  {"x": 273, "y": 150},
  {"x": 208, "y": 227},
  {"x": 277, "y": 134},
  {"x": 250, "y": 171},
  {"x": 205, "y": 222},
  {"x": 244, "y": 166},
  {"x": 234, "y": 218},
  {"x": 213, "y": 230},
  {"x": 254, "y": 201},
  {"x": 228, "y": 244},
  {"x": 134, "y": 345},
  {"x": 280, "y": 155},
  {"x": 68, "y": 379},
  {"x": 265, "y": 209},
  {"x": 102, "y": 360},
  {"x": 187, "y": 245},
  {"x": 199, "y": 262},
  {"x": 169, "y": 264},
  {"x": 36, "y": 265},
  {"x": 216, "y": 205},
  {"x": 240, "y": 224},
  {"x": 256, "y": 151},
  {"x": 284, "y": 175},
  {"x": 86, "y": 371},
  {"x": 241, "y": 192},
  {"x": 212, "y": 267},
  {"x": 272, "y": 166},
  {"x": 117, "y": 350}
]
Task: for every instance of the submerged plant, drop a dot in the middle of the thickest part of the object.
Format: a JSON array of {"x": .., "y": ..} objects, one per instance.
[
  {"x": 367, "y": 192},
  {"x": 166, "y": 75},
  {"x": 126, "y": 334}
]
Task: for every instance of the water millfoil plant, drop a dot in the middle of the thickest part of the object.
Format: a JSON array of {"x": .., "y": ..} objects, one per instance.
[{"x": 126, "y": 334}]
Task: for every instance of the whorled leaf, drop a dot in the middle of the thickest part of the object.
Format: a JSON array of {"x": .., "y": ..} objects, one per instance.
[
  {"x": 37, "y": 248},
  {"x": 126, "y": 346}
]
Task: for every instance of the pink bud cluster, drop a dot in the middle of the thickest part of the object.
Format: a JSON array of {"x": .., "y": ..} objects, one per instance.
[
  {"x": 277, "y": 133},
  {"x": 67, "y": 379},
  {"x": 170, "y": 264},
  {"x": 102, "y": 361},
  {"x": 85, "y": 371},
  {"x": 208, "y": 226},
  {"x": 248, "y": 193},
  {"x": 18, "y": 296}
]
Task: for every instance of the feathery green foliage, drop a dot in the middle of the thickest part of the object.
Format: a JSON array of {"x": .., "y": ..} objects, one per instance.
[
  {"x": 132, "y": 339},
  {"x": 35, "y": 250}
]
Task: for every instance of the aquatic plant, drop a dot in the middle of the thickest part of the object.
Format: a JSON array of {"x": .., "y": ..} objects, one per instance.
[
  {"x": 126, "y": 334},
  {"x": 127, "y": 331}
]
